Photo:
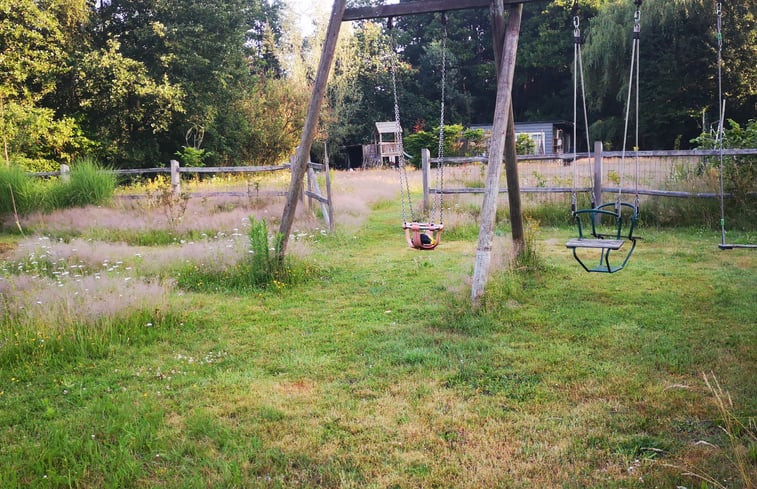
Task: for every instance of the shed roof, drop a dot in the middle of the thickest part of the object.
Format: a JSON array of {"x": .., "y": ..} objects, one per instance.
[{"x": 388, "y": 127}]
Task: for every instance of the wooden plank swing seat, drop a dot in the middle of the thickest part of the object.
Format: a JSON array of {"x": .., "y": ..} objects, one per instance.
[
  {"x": 605, "y": 243},
  {"x": 414, "y": 230}
]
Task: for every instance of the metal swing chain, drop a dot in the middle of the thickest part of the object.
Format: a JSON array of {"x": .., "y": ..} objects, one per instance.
[
  {"x": 578, "y": 70},
  {"x": 401, "y": 165},
  {"x": 576, "y": 43},
  {"x": 438, "y": 205},
  {"x": 634, "y": 64}
]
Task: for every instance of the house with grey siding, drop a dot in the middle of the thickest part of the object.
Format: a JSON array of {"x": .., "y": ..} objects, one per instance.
[{"x": 549, "y": 137}]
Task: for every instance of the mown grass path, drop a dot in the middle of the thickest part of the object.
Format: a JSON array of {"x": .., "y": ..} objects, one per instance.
[{"x": 376, "y": 373}]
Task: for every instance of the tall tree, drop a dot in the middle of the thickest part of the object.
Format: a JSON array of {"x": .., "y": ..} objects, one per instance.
[{"x": 678, "y": 67}]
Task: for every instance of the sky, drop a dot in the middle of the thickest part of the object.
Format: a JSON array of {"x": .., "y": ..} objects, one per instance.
[{"x": 306, "y": 10}]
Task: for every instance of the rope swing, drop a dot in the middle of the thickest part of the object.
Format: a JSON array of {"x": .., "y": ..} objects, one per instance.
[{"x": 720, "y": 137}]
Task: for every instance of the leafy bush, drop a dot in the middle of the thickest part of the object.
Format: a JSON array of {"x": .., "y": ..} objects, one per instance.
[
  {"x": 192, "y": 157},
  {"x": 454, "y": 143},
  {"x": 739, "y": 172},
  {"x": 524, "y": 145}
]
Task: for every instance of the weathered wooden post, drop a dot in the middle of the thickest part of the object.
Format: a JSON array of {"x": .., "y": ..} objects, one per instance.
[
  {"x": 426, "y": 170},
  {"x": 175, "y": 178},
  {"x": 300, "y": 163},
  {"x": 597, "y": 174},
  {"x": 511, "y": 154},
  {"x": 65, "y": 172},
  {"x": 328, "y": 187},
  {"x": 311, "y": 177},
  {"x": 496, "y": 151}
]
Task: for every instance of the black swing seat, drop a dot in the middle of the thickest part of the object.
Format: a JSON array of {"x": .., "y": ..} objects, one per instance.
[{"x": 604, "y": 242}]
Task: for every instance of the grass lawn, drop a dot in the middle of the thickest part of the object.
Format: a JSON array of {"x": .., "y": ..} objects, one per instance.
[{"x": 374, "y": 372}]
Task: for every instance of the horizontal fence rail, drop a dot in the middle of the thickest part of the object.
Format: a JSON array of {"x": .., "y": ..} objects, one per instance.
[
  {"x": 190, "y": 169},
  {"x": 658, "y": 184},
  {"x": 462, "y": 160}
]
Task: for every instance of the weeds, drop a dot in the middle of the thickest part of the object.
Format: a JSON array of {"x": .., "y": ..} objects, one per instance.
[
  {"x": 261, "y": 268},
  {"x": 742, "y": 441},
  {"x": 528, "y": 258},
  {"x": 173, "y": 206},
  {"x": 88, "y": 184}
]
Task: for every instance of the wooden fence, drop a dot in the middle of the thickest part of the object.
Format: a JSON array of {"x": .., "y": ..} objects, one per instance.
[
  {"x": 594, "y": 162},
  {"x": 175, "y": 171}
]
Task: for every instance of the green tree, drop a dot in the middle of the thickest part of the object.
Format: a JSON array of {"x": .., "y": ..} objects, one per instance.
[
  {"x": 123, "y": 104},
  {"x": 678, "y": 67},
  {"x": 34, "y": 38},
  {"x": 210, "y": 49}
]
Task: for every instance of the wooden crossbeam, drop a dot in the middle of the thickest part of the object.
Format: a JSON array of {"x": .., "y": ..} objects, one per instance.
[{"x": 419, "y": 7}]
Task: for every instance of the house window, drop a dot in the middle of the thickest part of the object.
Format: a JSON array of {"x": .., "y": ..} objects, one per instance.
[{"x": 540, "y": 142}]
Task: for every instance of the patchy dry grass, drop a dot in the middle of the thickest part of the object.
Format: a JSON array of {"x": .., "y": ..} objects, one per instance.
[{"x": 375, "y": 372}]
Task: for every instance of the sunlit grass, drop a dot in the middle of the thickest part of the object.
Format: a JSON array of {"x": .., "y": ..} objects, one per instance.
[{"x": 374, "y": 371}]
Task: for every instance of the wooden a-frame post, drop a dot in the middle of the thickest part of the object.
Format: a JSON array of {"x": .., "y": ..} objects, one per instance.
[
  {"x": 502, "y": 112},
  {"x": 301, "y": 157},
  {"x": 511, "y": 155}
]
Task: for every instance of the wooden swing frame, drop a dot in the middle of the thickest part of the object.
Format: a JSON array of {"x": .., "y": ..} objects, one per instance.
[{"x": 505, "y": 46}]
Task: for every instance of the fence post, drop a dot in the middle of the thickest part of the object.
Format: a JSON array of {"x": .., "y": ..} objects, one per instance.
[
  {"x": 175, "y": 178},
  {"x": 425, "y": 170},
  {"x": 65, "y": 172},
  {"x": 597, "y": 173},
  {"x": 328, "y": 187}
]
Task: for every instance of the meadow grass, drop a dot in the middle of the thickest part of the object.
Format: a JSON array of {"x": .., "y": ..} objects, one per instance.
[{"x": 376, "y": 372}]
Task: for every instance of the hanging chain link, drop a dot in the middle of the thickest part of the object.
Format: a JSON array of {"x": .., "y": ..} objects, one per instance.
[
  {"x": 634, "y": 72},
  {"x": 401, "y": 164},
  {"x": 438, "y": 205}
]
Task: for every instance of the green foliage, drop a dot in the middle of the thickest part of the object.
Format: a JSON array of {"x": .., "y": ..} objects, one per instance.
[
  {"x": 16, "y": 185},
  {"x": 454, "y": 142},
  {"x": 192, "y": 157},
  {"x": 31, "y": 46},
  {"x": 739, "y": 172},
  {"x": 524, "y": 145},
  {"x": 123, "y": 103},
  {"x": 678, "y": 43},
  {"x": 87, "y": 184},
  {"x": 265, "y": 264},
  {"x": 274, "y": 112},
  {"x": 38, "y": 140}
]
